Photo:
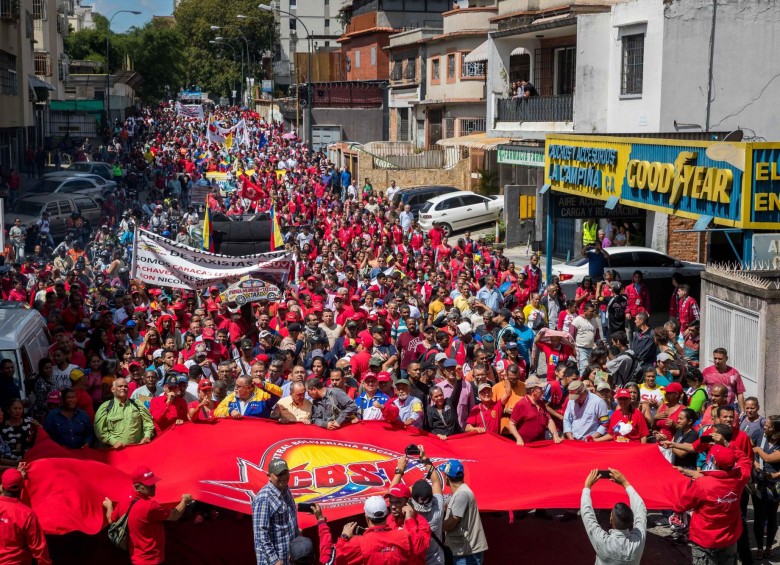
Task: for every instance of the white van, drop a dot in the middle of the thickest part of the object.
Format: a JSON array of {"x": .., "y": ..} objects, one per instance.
[{"x": 25, "y": 340}]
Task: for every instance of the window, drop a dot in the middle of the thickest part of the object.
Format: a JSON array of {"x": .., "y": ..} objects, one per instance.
[
  {"x": 472, "y": 125},
  {"x": 451, "y": 65},
  {"x": 327, "y": 23},
  {"x": 39, "y": 9},
  {"x": 410, "y": 70},
  {"x": 8, "y": 74},
  {"x": 42, "y": 64},
  {"x": 435, "y": 69},
  {"x": 565, "y": 69},
  {"x": 293, "y": 4},
  {"x": 473, "y": 199},
  {"x": 7, "y": 11},
  {"x": 449, "y": 127},
  {"x": 475, "y": 69},
  {"x": 632, "y": 64},
  {"x": 293, "y": 25},
  {"x": 357, "y": 59},
  {"x": 373, "y": 56},
  {"x": 449, "y": 204},
  {"x": 396, "y": 73},
  {"x": 85, "y": 203}
]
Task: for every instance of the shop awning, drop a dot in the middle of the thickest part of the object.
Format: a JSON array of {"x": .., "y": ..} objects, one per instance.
[
  {"x": 479, "y": 54},
  {"x": 35, "y": 82},
  {"x": 475, "y": 140},
  {"x": 520, "y": 51}
]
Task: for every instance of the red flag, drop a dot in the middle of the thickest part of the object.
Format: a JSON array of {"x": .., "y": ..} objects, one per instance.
[
  {"x": 225, "y": 465},
  {"x": 250, "y": 190}
]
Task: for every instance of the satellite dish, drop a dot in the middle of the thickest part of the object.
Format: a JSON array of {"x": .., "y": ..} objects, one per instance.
[{"x": 735, "y": 135}]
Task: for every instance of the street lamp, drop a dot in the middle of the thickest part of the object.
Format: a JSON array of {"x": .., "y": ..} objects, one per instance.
[
  {"x": 224, "y": 41},
  {"x": 267, "y": 8},
  {"x": 108, "y": 60},
  {"x": 246, "y": 42},
  {"x": 233, "y": 49}
]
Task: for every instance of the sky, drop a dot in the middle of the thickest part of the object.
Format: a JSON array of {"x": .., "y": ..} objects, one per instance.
[{"x": 122, "y": 22}]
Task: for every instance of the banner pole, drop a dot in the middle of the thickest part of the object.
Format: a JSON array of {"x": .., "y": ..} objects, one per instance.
[{"x": 134, "y": 259}]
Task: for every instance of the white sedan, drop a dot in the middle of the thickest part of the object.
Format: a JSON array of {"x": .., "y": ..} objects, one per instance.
[
  {"x": 460, "y": 210},
  {"x": 657, "y": 269}
]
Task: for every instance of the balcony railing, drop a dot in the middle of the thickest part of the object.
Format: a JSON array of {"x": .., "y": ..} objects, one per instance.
[{"x": 537, "y": 109}]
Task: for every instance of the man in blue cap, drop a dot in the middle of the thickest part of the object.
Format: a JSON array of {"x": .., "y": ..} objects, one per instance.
[{"x": 462, "y": 524}]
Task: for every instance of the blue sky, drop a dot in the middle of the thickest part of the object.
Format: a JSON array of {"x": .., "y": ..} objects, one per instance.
[{"x": 122, "y": 22}]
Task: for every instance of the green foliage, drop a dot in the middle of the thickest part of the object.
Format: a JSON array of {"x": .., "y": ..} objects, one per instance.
[
  {"x": 488, "y": 182},
  {"x": 217, "y": 68},
  {"x": 170, "y": 56}
]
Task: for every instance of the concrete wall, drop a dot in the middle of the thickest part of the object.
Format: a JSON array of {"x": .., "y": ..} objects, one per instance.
[
  {"x": 746, "y": 73},
  {"x": 380, "y": 178},
  {"x": 593, "y": 41},
  {"x": 767, "y": 343},
  {"x": 357, "y": 124},
  {"x": 459, "y": 87}
]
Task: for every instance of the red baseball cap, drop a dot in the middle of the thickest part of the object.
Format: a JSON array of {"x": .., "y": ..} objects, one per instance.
[
  {"x": 622, "y": 393},
  {"x": 145, "y": 476},
  {"x": 318, "y": 307},
  {"x": 179, "y": 368},
  {"x": 384, "y": 377},
  {"x": 212, "y": 307},
  {"x": 372, "y": 318},
  {"x": 448, "y": 301},
  {"x": 674, "y": 387},
  {"x": 367, "y": 341},
  {"x": 208, "y": 333},
  {"x": 724, "y": 457},
  {"x": 291, "y": 317},
  {"x": 262, "y": 357},
  {"x": 400, "y": 491},
  {"x": 205, "y": 384},
  {"x": 13, "y": 480}
]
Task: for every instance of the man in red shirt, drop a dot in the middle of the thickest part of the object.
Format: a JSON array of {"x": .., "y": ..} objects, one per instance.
[
  {"x": 529, "y": 417},
  {"x": 401, "y": 518},
  {"x": 716, "y": 522},
  {"x": 720, "y": 373},
  {"x": 21, "y": 536},
  {"x": 486, "y": 416},
  {"x": 169, "y": 409},
  {"x": 145, "y": 530}
]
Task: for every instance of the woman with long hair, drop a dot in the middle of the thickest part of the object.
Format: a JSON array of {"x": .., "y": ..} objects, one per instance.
[
  {"x": 767, "y": 496},
  {"x": 585, "y": 293},
  {"x": 19, "y": 432},
  {"x": 626, "y": 423}
]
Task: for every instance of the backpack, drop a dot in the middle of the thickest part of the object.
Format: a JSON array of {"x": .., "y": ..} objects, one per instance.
[
  {"x": 616, "y": 313},
  {"x": 635, "y": 371},
  {"x": 118, "y": 532}
]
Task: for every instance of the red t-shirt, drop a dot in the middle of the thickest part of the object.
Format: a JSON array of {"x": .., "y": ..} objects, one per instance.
[
  {"x": 553, "y": 357},
  {"x": 530, "y": 419},
  {"x": 146, "y": 539},
  {"x": 638, "y": 426},
  {"x": 488, "y": 418}
]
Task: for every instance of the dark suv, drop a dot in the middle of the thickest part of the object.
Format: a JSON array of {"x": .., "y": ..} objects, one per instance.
[{"x": 417, "y": 196}]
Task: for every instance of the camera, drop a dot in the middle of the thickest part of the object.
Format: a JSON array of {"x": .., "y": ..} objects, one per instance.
[{"x": 412, "y": 450}]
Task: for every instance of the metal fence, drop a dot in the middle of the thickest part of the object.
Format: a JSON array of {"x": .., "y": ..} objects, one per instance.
[
  {"x": 404, "y": 155},
  {"x": 537, "y": 109}
]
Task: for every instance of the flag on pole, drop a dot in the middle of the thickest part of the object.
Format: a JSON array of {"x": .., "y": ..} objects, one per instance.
[
  {"x": 277, "y": 241},
  {"x": 229, "y": 141},
  {"x": 208, "y": 239}
]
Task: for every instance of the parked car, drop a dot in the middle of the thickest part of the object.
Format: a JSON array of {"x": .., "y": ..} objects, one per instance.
[
  {"x": 461, "y": 210},
  {"x": 105, "y": 170},
  {"x": 106, "y": 185},
  {"x": 25, "y": 340},
  {"x": 59, "y": 206},
  {"x": 417, "y": 196},
  {"x": 67, "y": 185},
  {"x": 657, "y": 270}
]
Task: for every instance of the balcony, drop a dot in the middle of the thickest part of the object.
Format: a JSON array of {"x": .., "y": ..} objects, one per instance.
[{"x": 537, "y": 109}]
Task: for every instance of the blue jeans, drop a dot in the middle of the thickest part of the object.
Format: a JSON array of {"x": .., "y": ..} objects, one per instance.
[
  {"x": 475, "y": 559},
  {"x": 583, "y": 356}
]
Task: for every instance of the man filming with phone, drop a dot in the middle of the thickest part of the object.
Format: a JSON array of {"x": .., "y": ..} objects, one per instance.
[{"x": 625, "y": 542}]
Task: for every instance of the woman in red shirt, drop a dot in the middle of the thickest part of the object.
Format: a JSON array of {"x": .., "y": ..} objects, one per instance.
[
  {"x": 665, "y": 419},
  {"x": 585, "y": 293},
  {"x": 627, "y": 423}
]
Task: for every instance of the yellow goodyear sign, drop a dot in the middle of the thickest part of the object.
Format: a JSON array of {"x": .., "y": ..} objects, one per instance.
[{"x": 735, "y": 183}]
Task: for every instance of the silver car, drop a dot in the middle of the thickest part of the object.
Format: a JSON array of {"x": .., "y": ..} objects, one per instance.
[
  {"x": 67, "y": 185},
  {"x": 106, "y": 185}
]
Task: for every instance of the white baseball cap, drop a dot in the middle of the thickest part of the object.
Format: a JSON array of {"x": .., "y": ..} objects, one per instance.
[{"x": 375, "y": 507}]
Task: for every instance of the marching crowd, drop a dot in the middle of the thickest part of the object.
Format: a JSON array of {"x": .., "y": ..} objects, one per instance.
[{"x": 379, "y": 321}]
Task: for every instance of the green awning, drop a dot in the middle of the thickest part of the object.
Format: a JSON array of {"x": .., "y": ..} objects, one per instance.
[{"x": 76, "y": 105}]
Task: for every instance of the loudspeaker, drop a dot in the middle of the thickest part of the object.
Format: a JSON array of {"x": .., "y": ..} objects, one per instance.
[{"x": 241, "y": 248}]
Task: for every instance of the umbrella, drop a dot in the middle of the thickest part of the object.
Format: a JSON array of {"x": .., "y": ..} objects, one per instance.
[{"x": 288, "y": 136}]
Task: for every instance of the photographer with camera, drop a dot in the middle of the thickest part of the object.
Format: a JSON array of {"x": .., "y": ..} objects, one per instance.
[
  {"x": 378, "y": 544},
  {"x": 625, "y": 542}
]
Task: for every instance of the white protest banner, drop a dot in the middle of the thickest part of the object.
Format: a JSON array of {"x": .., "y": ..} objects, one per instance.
[{"x": 162, "y": 262}]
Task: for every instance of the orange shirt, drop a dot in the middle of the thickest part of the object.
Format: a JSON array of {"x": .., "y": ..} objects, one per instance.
[{"x": 518, "y": 392}]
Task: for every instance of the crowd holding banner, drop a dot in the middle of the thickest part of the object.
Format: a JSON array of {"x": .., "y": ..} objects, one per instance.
[{"x": 384, "y": 336}]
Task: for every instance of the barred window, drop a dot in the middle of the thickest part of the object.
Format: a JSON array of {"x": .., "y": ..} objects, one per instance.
[
  {"x": 397, "y": 71},
  {"x": 633, "y": 64},
  {"x": 473, "y": 69},
  {"x": 449, "y": 127},
  {"x": 472, "y": 125},
  {"x": 451, "y": 65},
  {"x": 8, "y": 83},
  {"x": 8, "y": 9},
  {"x": 39, "y": 9},
  {"x": 435, "y": 69},
  {"x": 42, "y": 65},
  {"x": 410, "y": 70}
]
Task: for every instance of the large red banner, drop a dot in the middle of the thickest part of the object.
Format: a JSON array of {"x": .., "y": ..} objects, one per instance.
[{"x": 224, "y": 464}]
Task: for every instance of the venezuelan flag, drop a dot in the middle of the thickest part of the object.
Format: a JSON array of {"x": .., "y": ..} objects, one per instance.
[
  {"x": 277, "y": 241},
  {"x": 208, "y": 240}
]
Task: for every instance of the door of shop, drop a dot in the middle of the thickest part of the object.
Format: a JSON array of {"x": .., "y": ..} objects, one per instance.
[{"x": 564, "y": 238}]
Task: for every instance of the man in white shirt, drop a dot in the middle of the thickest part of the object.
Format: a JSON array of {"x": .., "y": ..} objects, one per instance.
[
  {"x": 625, "y": 542},
  {"x": 392, "y": 189},
  {"x": 586, "y": 330},
  {"x": 406, "y": 218}
]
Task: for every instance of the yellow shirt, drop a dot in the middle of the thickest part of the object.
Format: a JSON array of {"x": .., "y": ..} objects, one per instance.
[{"x": 434, "y": 308}]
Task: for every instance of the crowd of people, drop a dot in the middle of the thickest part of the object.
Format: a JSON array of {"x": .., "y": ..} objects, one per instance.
[{"x": 379, "y": 321}]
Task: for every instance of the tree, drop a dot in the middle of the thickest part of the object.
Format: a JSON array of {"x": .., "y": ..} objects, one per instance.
[{"x": 157, "y": 52}]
